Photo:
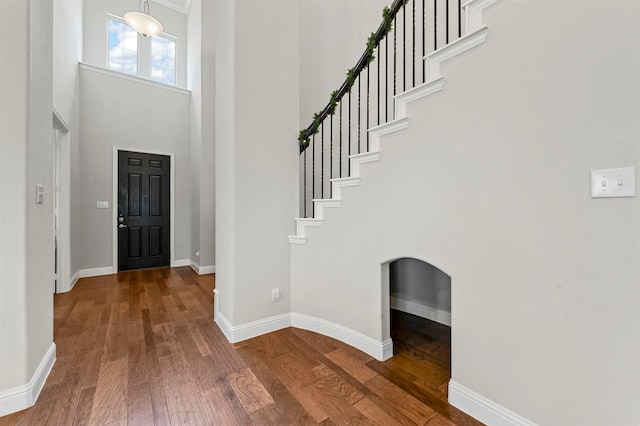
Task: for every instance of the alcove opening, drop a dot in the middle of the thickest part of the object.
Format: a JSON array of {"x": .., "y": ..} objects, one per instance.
[{"x": 420, "y": 322}]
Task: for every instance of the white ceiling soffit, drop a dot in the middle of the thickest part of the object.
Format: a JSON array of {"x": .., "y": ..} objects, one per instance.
[{"x": 181, "y": 6}]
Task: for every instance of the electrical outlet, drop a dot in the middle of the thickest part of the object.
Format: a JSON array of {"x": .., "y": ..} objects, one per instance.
[
  {"x": 609, "y": 183},
  {"x": 275, "y": 294}
]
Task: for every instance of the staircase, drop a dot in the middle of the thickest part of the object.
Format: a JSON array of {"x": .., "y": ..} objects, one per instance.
[{"x": 472, "y": 34}]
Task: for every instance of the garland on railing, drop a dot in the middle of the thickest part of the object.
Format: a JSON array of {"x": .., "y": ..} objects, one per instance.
[{"x": 388, "y": 14}]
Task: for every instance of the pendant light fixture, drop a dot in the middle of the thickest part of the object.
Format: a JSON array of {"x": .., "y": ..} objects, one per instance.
[{"x": 145, "y": 24}]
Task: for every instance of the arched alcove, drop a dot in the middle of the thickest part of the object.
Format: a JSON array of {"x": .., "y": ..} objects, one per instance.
[{"x": 417, "y": 299}]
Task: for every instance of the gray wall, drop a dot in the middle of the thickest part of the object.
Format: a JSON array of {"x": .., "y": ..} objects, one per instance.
[
  {"x": 119, "y": 112},
  {"x": 26, "y": 239},
  {"x": 256, "y": 109},
  {"x": 420, "y": 289},
  {"x": 545, "y": 294}
]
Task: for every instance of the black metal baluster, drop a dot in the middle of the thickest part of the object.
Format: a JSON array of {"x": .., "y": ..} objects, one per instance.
[
  {"x": 313, "y": 173},
  {"x": 435, "y": 25},
  {"x": 413, "y": 44},
  {"x": 340, "y": 166},
  {"x": 330, "y": 154},
  {"x": 359, "y": 86},
  {"x": 304, "y": 184},
  {"x": 395, "y": 49},
  {"x": 459, "y": 18},
  {"x": 322, "y": 160},
  {"x": 404, "y": 47},
  {"x": 386, "y": 79},
  {"x": 447, "y": 22},
  {"x": 378, "y": 108},
  {"x": 367, "y": 128},
  {"x": 424, "y": 29},
  {"x": 349, "y": 139}
]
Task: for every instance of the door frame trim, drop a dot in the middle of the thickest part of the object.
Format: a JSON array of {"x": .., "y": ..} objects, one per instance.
[
  {"x": 114, "y": 209},
  {"x": 63, "y": 136}
]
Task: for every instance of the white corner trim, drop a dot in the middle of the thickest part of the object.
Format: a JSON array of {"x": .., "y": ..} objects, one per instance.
[
  {"x": 451, "y": 50},
  {"x": 95, "y": 272},
  {"x": 379, "y": 350},
  {"x": 252, "y": 329},
  {"x": 216, "y": 305},
  {"x": 482, "y": 408},
  {"x": 22, "y": 397},
  {"x": 180, "y": 262},
  {"x": 424, "y": 311}
]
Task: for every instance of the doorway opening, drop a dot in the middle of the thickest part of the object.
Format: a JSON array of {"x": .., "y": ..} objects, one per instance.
[{"x": 420, "y": 323}]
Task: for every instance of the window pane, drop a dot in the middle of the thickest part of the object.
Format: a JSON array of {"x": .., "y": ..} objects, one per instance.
[
  {"x": 163, "y": 60},
  {"x": 123, "y": 48}
]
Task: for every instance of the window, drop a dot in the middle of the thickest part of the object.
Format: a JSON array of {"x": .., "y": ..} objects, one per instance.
[
  {"x": 163, "y": 59},
  {"x": 122, "y": 47},
  {"x": 152, "y": 58}
]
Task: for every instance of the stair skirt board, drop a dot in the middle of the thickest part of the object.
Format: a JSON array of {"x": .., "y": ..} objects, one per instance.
[
  {"x": 379, "y": 350},
  {"x": 476, "y": 35}
]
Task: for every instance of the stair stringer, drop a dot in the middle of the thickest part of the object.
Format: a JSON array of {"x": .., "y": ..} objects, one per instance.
[{"x": 476, "y": 36}]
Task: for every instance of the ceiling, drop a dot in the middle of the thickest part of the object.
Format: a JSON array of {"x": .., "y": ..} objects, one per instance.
[{"x": 181, "y": 6}]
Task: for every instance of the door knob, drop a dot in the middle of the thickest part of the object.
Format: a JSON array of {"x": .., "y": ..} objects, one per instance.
[{"x": 122, "y": 225}]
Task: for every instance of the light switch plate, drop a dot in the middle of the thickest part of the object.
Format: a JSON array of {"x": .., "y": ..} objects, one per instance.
[
  {"x": 102, "y": 204},
  {"x": 609, "y": 183},
  {"x": 39, "y": 194}
]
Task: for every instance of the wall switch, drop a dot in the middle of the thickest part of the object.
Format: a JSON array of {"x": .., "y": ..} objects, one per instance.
[
  {"x": 275, "y": 294},
  {"x": 608, "y": 183},
  {"x": 39, "y": 194},
  {"x": 102, "y": 204}
]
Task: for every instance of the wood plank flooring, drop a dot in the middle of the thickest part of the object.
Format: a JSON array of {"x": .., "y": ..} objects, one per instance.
[{"x": 141, "y": 348}]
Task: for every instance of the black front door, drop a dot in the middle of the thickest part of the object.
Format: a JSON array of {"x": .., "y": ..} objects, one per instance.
[{"x": 143, "y": 210}]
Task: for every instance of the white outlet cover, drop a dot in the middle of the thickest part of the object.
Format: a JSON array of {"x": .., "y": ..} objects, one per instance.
[{"x": 610, "y": 183}]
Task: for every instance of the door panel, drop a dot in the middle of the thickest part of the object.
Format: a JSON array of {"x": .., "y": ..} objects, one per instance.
[{"x": 143, "y": 210}]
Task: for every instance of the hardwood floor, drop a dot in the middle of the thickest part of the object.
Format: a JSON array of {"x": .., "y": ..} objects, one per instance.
[{"x": 141, "y": 348}]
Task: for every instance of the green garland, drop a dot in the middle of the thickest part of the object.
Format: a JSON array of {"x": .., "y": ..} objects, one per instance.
[{"x": 387, "y": 25}]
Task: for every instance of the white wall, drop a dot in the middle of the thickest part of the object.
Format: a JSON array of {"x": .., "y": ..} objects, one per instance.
[
  {"x": 325, "y": 24},
  {"x": 256, "y": 110},
  {"x": 545, "y": 280},
  {"x": 26, "y": 239},
  {"x": 95, "y": 30},
  {"x": 117, "y": 111}
]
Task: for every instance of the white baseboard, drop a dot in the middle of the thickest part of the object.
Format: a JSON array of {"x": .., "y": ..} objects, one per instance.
[
  {"x": 379, "y": 350},
  {"x": 95, "y": 272},
  {"x": 483, "y": 409},
  {"x": 252, "y": 329},
  {"x": 202, "y": 270},
  {"x": 180, "y": 262},
  {"x": 423, "y": 311},
  {"x": 22, "y": 397}
]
